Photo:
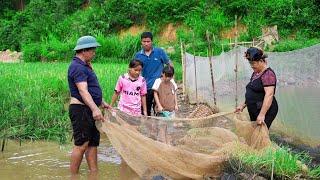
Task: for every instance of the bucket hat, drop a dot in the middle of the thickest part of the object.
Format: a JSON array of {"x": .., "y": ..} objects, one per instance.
[{"x": 85, "y": 42}]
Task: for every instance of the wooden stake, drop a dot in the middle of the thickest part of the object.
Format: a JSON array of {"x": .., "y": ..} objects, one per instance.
[
  {"x": 183, "y": 68},
  {"x": 236, "y": 63},
  {"x": 211, "y": 68},
  {"x": 3, "y": 142},
  {"x": 195, "y": 66}
]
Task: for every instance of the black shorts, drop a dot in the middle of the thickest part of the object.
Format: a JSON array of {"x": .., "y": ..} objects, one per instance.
[
  {"x": 254, "y": 111},
  {"x": 83, "y": 125}
]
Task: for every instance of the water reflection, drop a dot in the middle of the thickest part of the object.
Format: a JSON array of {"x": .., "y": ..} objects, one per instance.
[{"x": 48, "y": 160}]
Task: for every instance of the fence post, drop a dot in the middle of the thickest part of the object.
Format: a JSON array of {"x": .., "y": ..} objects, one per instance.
[
  {"x": 3, "y": 144},
  {"x": 183, "y": 69},
  {"x": 195, "y": 66},
  {"x": 211, "y": 68},
  {"x": 236, "y": 63}
]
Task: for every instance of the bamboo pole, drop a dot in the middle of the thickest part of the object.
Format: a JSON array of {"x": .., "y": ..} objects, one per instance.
[
  {"x": 183, "y": 69},
  {"x": 244, "y": 42},
  {"x": 3, "y": 143},
  {"x": 214, "y": 38},
  {"x": 195, "y": 66},
  {"x": 211, "y": 68},
  {"x": 236, "y": 63},
  {"x": 214, "y": 42}
]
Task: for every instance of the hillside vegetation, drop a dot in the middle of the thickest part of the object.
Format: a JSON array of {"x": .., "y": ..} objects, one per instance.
[{"x": 46, "y": 30}]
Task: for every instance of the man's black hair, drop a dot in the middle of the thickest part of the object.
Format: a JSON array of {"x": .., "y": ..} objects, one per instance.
[
  {"x": 86, "y": 49},
  {"x": 147, "y": 35}
]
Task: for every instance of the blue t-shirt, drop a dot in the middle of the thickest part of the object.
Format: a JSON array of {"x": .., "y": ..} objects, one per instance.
[
  {"x": 79, "y": 71},
  {"x": 152, "y": 64}
]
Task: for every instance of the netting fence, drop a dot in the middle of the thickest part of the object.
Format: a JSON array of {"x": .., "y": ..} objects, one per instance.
[
  {"x": 298, "y": 85},
  {"x": 200, "y": 147}
]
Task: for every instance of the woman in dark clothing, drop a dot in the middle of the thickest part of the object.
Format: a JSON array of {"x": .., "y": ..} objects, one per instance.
[{"x": 259, "y": 98}]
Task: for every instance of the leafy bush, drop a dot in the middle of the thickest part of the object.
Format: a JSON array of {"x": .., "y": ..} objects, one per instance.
[
  {"x": 287, "y": 14},
  {"x": 51, "y": 49},
  {"x": 63, "y": 22},
  {"x": 290, "y": 45},
  {"x": 48, "y": 50}
]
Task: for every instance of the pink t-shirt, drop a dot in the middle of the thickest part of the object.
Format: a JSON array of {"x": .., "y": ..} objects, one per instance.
[{"x": 130, "y": 94}]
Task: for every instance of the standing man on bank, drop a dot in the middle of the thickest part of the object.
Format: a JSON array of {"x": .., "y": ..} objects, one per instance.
[
  {"x": 153, "y": 60},
  {"x": 86, "y": 97}
]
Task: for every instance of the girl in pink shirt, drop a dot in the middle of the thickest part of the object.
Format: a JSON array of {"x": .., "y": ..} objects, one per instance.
[{"x": 132, "y": 89}]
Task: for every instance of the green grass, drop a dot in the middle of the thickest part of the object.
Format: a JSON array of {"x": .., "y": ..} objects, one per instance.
[
  {"x": 315, "y": 172},
  {"x": 34, "y": 98},
  {"x": 282, "y": 163},
  {"x": 290, "y": 45}
]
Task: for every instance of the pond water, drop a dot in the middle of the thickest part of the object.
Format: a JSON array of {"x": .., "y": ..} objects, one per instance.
[{"x": 49, "y": 160}]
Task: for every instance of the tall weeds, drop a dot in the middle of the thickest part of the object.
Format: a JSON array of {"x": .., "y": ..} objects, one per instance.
[
  {"x": 34, "y": 98},
  {"x": 278, "y": 163}
]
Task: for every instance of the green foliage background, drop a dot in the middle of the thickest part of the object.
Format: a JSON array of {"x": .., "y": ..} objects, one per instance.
[{"x": 47, "y": 30}]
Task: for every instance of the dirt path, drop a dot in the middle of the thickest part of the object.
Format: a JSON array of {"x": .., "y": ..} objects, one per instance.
[
  {"x": 185, "y": 109},
  {"x": 10, "y": 56},
  {"x": 191, "y": 110}
]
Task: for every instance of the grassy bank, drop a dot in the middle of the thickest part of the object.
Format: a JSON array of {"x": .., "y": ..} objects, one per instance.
[
  {"x": 34, "y": 96},
  {"x": 278, "y": 163}
]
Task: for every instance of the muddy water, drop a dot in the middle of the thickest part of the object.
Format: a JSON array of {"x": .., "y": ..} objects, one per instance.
[{"x": 48, "y": 160}]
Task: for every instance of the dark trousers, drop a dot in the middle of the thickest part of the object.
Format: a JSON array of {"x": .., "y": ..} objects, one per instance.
[{"x": 150, "y": 102}]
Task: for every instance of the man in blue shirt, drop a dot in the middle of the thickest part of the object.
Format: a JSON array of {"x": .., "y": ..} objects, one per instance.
[
  {"x": 153, "y": 60},
  {"x": 86, "y": 97}
]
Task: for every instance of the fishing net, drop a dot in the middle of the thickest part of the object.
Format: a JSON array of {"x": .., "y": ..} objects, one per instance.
[
  {"x": 193, "y": 148},
  {"x": 198, "y": 147}
]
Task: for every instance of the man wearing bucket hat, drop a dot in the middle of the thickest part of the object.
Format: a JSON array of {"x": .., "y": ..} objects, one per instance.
[{"x": 86, "y": 97}]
